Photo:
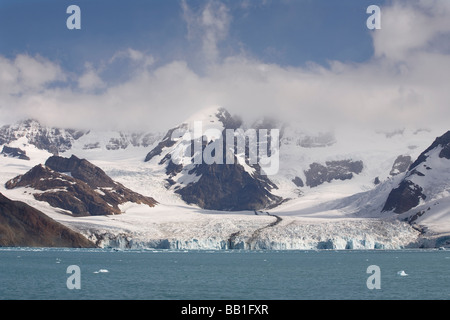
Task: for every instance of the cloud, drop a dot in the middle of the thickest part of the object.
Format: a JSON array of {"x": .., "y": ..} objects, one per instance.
[
  {"x": 90, "y": 80},
  {"x": 411, "y": 26},
  {"x": 210, "y": 26},
  {"x": 26, "y": 73},
  {"x": 403, "y": 85}
]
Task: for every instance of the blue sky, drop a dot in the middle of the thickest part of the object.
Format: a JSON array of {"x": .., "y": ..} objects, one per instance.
[
  {"x": 152, "y": 63},
  {"x": 283, "y": 32}
]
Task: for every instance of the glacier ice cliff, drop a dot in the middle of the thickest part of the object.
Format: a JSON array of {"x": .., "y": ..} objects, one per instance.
[{"x": 290, "y": 234}]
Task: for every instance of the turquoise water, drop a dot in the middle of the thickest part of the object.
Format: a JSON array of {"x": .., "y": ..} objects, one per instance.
[{"x": 223, "y": 275}]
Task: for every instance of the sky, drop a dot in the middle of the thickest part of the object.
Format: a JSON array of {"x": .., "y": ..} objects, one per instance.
[{"x": 149, "y": 64}]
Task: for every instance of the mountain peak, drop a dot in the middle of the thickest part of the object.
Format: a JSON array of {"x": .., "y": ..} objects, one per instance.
[
  {"x": 53, "y": 140},
  {"x": 78, "y": 186},
  {"x": 442, "y": 141},
  {"x": 425, "y": 179}
]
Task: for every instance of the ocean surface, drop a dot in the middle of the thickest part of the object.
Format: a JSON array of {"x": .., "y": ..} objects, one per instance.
[{"x": 46, "y": 274}]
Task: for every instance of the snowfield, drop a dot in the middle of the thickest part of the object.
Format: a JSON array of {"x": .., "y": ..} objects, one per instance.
[{"x": 335, "y": 215}]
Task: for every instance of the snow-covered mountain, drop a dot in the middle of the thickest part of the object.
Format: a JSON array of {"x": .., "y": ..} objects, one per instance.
[
  {"x": 76, "y": 186},
  {"x": 423, "y": 195},
  {"x": 59, "y": 140},
  {"x": 333, "y": 188},
  {"x": 221, "y": 185}
]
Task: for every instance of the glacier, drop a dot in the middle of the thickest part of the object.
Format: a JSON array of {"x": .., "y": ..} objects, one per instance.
[{"x": 336, "y": 215}]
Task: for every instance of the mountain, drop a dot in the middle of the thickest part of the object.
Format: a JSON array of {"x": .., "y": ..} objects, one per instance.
[
  {"x": 53, "y": 140},
  {"x": 426, "y": 180},
  {"x": 78, "y": 186},
  {"x": 328, "y": 188},
  {"x": 235, "y": 185},
  {"x": 59, "y": 140},
  {"x": 24, "y": 226}
]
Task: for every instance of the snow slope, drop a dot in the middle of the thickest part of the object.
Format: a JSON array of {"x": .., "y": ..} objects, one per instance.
[{"x": 341, "y": 214}]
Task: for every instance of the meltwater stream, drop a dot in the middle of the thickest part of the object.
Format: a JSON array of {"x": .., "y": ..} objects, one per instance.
[{"x": 28, "y": 273}]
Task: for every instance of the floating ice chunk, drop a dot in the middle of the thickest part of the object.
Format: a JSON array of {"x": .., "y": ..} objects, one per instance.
[
  {"x": 402, "y": 273},
  {"x": 101, "y": 271}
]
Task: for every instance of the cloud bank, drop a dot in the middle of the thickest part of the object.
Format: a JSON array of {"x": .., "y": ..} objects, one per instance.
[{"x": 404, "y": 84}]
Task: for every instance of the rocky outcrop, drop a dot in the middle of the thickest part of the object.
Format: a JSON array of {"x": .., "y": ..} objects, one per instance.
[
  {"x": 411, "y": 191},
  {"x": 213, "y": 186},
  {"x": 81, "y": 169},
  {"x": 332, "y": 170},
  {"x": 14, "y": 153},
  {"x": 401, "y": 164},
  {"x": 229, "y": 188},
  {"x": 440, "y": 142},
  {"x": 166, "y": 142},
  {"x": 24, "y": 226},
  {"x": 77, "y": 186},
  {"x": 298, "y": 182},
  {"x": 321, "y": 140},
  {"x": 405, "y": 197},
  {"x": 54, "y": 140}
]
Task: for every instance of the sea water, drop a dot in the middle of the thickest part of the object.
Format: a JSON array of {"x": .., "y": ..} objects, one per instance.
[{"x": 27, "y": 273}]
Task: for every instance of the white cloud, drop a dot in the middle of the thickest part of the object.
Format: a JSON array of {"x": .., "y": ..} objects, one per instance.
[
  {"x": 26, "y": 73},
  {"x": 210, "y": 25},
  {"x": 90, "y": 80},
  {"x": 135, "y": 56},
  {"x": 405, "y": 84},
  {"x": 411, "y": 26}
]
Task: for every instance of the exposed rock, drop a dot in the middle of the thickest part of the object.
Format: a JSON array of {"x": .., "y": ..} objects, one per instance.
[
  {"x": 81, "y": 169},
  {"x": 213, "y": 186},
  {"x": 54, "y": 140},
  {"x": 229, "y": 122},
  {"x": 333, "y": 170},
  {"x": 90, "y": 146},
  {"x": 319, "y": 141},
  {"x": 406, "y": 196},
  {"x": 409, "y": 194},
  {"x": 298, "y": 182},
  {"x": 442, "y": 141},
  {"x": 118, "y": 143},
  {"x": 166, "y": 142},
  {"x": 77, "y": 186},
  {"x": 401, "y": 164},
  {"x": 14, "y": 153},
  {"x": 24, "y": 226},
  {"x": 228, "y": 187}
]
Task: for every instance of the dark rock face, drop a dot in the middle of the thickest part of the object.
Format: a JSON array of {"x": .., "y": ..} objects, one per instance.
[
  {"x": 442, "y": 141},
  {"x": 229, "y": 188},
  {"x": 298, "y": 182},
  {"x": 77, "y": 186},
  {"x": 14, "y": 153},
  {"x": 217, "y": 186},
  {"x": 166, "y": 142},
  {"x": 401, "y": 164},
  {"x": 24, "y": 226},
  {"x": 229, "y": 122},
  {"x": 81, "y": 169},
  {"x": 333, "y": 170},
  {"x": 408, "y": 194}
]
